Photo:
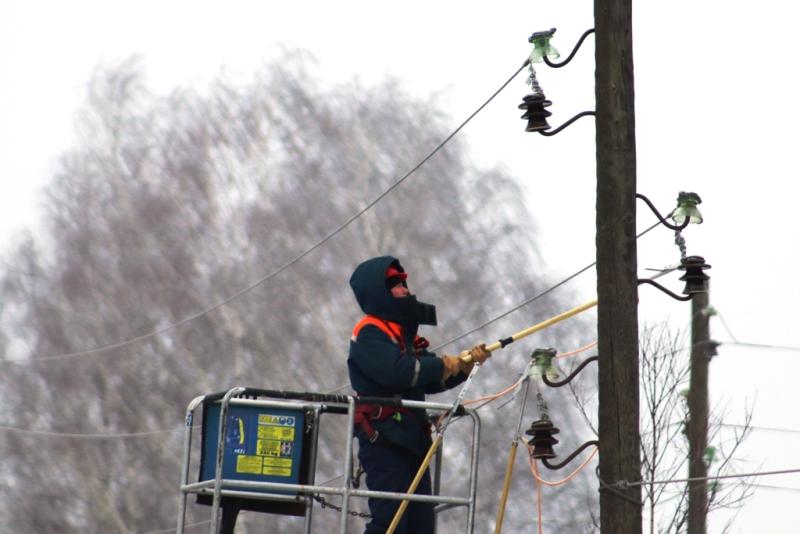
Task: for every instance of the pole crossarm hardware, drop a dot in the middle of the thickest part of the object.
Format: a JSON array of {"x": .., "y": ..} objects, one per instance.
[
  {"x": 655, "y": 284},
  {"x": 676, "y": 227},
  {"x": 558, "y": 384},
  {"x": 569, "y": 122},
  {"x": 569, "y": 458},
  {"x": 583, "y": 37},
  {"x": 696, "y": 280}
]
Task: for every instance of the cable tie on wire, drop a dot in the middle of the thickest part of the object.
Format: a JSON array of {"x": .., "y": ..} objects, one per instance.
[{"x": 615, "y": 489}]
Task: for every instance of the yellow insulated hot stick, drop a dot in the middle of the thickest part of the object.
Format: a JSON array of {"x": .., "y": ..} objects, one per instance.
[
  {"x": 467, "y": 358},
  {"x": 501, "y": 509},
  {"x": 532, "y": 329}
]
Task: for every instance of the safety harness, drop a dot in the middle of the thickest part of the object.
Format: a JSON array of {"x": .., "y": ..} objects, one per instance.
[{"x": 365, "y": 414}]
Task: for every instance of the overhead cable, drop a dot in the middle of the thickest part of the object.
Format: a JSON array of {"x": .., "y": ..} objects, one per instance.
[
  {"x": 764, "y": 428},
  {"x": 725, "y": 325},
  {"x": 515, "y": 308},
  {"x": 286, "y": 265},
  {"x": 779, "y": 488},
  {"x": 114, "y": 435},
  {"x": 527, "y": 301},
  {"x": 625, "y": 483},
  {"x": 759, "y": 345},
  {"x": 172, "y": 529},
  {"x": 573, "y": 474}
]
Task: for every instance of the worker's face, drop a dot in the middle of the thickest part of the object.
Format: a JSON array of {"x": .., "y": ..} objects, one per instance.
[{"x": 400, "y": 291}]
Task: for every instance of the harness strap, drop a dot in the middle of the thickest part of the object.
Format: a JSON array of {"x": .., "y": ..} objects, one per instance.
[{"x": 366, "y": 413}]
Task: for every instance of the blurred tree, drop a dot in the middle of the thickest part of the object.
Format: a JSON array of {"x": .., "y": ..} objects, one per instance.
[
  {"x": 664, "y": 379},
  {"x": 172, "y": 204}
]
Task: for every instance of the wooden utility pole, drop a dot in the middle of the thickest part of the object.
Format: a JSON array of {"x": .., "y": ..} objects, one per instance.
[
  {"x": 617, "y": 314},
  {"x": 698, "y": 415}
]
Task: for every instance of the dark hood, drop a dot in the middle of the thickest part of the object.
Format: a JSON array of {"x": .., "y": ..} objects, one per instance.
[{"x": 369, "y": 286}]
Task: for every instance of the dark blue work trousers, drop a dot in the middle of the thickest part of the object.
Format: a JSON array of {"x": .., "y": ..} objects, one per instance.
[{"x": 391, "y": 468}]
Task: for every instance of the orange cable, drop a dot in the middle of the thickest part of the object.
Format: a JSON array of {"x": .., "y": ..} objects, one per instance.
[
  {"x": 518, "y": 382},
  {"x": 496, "y": 395},
  {"x": 576, "y": 351},
  {"x": 569, "y": 477},
  {"x": 490, "y": 398},
  {"x": 536, "y": 480}
]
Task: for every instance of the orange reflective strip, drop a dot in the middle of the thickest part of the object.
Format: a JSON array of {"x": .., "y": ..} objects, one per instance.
[{"x": 387, "y": 327}]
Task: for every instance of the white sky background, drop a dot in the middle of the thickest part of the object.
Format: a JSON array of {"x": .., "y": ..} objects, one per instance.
[{"x": 716, "y": 106}]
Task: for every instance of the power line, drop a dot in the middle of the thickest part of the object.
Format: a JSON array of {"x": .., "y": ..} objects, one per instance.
[
  {"x": 505, "y": 313},
  {"x": 745, "y": 427},
  {"x": 760, "y": 345},
  {"x": 531, "y": 299},
  {"x": 725, "y": 325},
  {"x": 288, "y": 263},
  {"x": 512, "y": 310},
  {"x": 780, "y": 488},
  {"x": 625, "y": 483},
  {"x": 515, "y": 308},
  {"x": 172, "y": 529},
  {"x": 115, "y": 435},
  {"x": 765, "y": 428}
]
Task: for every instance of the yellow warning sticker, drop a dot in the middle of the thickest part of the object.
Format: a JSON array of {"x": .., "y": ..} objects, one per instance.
[
  {"x": 280, "y": 433},
  {"x": 268, "y": 447},
  {"x": 278, "y": 462},
  {"x": 277, "y": 471},
  {"x": 248, "y": 464},
  {"x": 265, "y": 419},
  {"x": 278, "y": 420}
]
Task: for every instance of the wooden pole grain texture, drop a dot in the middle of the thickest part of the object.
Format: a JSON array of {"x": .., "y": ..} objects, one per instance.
[
  {"x": 617, "y": 314},
  {"x": 698, "y": 415}
]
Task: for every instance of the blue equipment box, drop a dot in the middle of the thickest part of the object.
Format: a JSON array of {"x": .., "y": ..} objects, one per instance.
[{"x": 261, "y": 445}]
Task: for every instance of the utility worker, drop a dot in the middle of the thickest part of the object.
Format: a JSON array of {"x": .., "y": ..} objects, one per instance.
[{"x": 388, "y": 359}]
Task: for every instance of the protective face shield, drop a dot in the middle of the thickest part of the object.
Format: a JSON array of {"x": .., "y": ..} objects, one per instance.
[{"x": 414, "y": 311}]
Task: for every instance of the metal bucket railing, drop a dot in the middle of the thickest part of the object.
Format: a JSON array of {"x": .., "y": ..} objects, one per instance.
[{"x": 316, "y": 404}]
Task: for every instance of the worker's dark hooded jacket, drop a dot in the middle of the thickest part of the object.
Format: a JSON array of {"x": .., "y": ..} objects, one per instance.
[{"x": 379, "y": 368}]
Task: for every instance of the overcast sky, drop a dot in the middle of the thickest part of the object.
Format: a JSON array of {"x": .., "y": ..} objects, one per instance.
[{"x": 716, "y": 114}]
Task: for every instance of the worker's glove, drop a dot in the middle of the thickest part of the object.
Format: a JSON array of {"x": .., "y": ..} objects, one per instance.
[
  {"x": 477, "y": 354},
  {"x": 452, "y": 366}
]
